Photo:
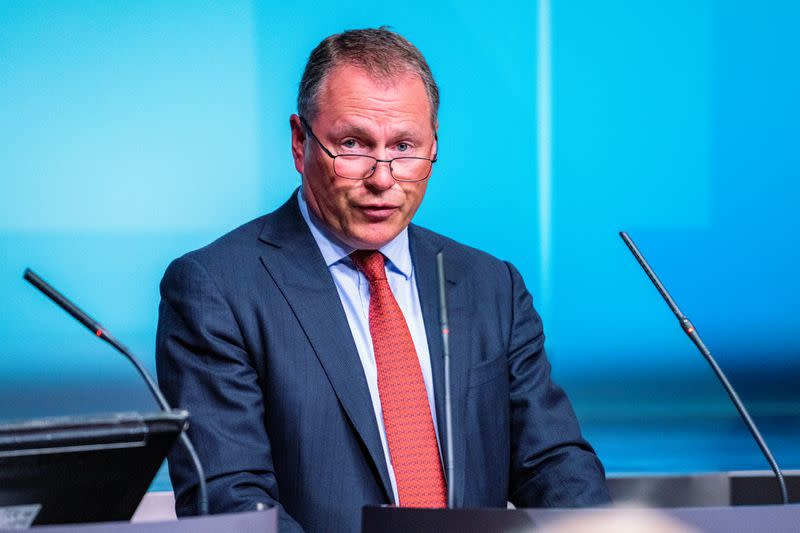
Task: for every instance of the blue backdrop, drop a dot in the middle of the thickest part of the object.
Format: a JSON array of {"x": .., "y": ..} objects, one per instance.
[{"x": 134, "y": 132}]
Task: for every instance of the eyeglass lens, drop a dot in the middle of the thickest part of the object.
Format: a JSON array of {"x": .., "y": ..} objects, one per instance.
[{"x": 362, "y": 167}]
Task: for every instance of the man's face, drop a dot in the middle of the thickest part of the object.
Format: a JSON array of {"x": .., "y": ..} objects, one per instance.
[{"x": 384, "y": 119}]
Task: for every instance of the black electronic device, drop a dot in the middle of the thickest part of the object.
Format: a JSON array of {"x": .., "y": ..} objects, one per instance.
[{"x": 81, "y": 469}]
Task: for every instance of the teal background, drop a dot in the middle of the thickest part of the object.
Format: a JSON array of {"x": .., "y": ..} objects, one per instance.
[{"x": 133, "y": 132}]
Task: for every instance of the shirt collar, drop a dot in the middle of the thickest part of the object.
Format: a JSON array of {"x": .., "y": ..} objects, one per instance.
[{"x": 334, "y": 250}]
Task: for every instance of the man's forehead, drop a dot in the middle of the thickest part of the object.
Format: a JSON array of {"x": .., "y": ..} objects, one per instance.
[
  {"x": 384, "y": 77},
  {"x": 352, "y": 98}
]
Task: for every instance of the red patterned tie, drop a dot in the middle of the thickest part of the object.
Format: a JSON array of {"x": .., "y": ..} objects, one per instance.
[{"x": 406, "y": 411}]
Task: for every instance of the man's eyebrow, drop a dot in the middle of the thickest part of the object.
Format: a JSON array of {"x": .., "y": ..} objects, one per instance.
[
  {"x": 405, "y": 134},
  {"x": 361, "y": 132},
  {"x": 350, "y": 129}
]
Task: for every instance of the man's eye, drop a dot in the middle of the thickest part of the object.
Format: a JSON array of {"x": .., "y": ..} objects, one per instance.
[
  {"x": 349, "y": 144},
  {"x": 403, "y": 147}
]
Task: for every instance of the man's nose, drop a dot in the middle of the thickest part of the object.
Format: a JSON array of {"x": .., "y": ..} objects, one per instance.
[{"x": 382, "y": 176}]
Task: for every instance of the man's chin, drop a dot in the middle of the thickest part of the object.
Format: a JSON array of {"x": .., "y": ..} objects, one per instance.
[{"x": 373, "y": 238}]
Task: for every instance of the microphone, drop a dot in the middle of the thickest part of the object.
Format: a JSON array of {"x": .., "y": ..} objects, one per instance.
[
  {"x": 102, "y": 333},
  {"x": 691, "y": 332},
  {"x": 448, "y": 410}
]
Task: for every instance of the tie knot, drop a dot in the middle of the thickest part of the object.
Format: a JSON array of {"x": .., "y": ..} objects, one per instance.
[{"x": 371, "y": 263}]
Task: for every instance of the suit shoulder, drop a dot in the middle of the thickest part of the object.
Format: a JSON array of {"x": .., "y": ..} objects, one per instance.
[
  {"x": 235, "y": 256},
  {"x": 215, "y": 261},
  {"x": 244, "y": 242},
  {"x": 467, "y": 257},
  {"x": 237, "y": 242}
]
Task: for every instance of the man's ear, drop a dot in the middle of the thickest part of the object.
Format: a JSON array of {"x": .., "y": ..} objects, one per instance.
[
  {"x": 298, "y": 143},
  {"x": 435, "y": 153}
]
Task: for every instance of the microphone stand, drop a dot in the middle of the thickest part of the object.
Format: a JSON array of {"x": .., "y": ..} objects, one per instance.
[
  {"x": 448, "y": 409},
  {"x": 691, "y": 332},
  {"x": 102, "y": 333}
]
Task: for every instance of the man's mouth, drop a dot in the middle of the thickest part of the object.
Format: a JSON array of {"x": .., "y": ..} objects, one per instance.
[{"x": 377, "y": 212}]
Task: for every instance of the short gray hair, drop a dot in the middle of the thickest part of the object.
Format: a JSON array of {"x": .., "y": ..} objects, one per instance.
[{"x": 383, "y": 53}]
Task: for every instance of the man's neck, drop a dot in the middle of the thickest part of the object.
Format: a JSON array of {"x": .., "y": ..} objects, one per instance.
[{"x": 334, "y": 250}]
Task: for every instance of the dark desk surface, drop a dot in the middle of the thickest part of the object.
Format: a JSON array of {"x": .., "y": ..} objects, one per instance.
[{"x": 743, "y": 519}]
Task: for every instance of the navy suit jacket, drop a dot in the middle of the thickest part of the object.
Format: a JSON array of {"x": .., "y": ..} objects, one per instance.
[{"x": 253, "y": 341}]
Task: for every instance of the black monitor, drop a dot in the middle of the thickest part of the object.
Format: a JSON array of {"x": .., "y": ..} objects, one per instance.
[{"x": 82, "y": 469}]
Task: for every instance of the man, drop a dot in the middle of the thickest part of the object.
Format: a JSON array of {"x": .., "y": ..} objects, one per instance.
[{"x": 306, "y": 343}]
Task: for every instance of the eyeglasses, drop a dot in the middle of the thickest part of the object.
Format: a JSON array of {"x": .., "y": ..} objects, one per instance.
[{"x": 361, "y": 167}]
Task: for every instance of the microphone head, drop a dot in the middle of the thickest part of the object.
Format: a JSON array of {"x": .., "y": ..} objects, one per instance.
[
  {"x": 62, "y": 301},
  {"x": 31, "y": 277}
]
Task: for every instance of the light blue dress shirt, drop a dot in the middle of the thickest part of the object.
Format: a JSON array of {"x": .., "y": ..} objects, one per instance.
[{"x": 353, "y": 290}]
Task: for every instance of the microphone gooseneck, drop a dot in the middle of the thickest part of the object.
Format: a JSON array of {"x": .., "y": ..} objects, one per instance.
[
  {"x": 99, "y": 331},
  {"x": 448, "y": 410},
  {"x": 691, "y": 332}
]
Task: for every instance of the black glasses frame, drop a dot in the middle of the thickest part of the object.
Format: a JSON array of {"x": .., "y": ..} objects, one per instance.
[{"x": 375, "y": 159}]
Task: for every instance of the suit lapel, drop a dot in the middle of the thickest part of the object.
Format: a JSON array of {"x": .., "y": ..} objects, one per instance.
[
  {"x": 299, "y": 270},
  {"x": 423, "y": 254}
]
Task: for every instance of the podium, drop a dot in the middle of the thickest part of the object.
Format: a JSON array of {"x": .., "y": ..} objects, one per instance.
[
  {"x": 71, "y": 470},
  {"x": 709, "y": 502},
  {"x": 741, "y": 519},
  {"x": 250, "y": 522}
]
